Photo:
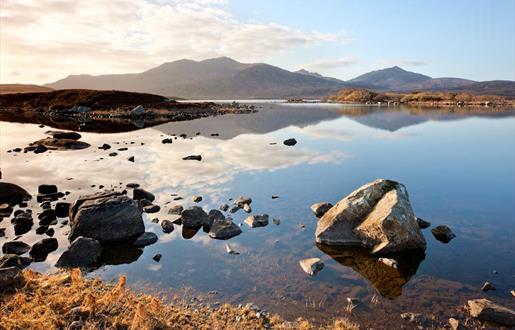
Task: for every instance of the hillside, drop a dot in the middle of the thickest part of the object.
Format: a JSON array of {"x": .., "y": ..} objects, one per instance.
[
  {"x": 393, "y": 78},
  {"x": 22, "y": 88},
  {"x": 213, "y": 78}
]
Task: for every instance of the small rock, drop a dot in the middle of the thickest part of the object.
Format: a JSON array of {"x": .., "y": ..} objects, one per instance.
[
  {"x": 15, "y": 247},
  {"x": 62, "y": 209},
  {"x": 422, "y": 224},
  {"x": 137, "y": 111},
  {"x": 46, "y": 189},
  {"x": 276, "y": 222},
  {"x": 311, "y": 265},
  {"x": 196, "y": 199},
  {"x": 230, "y": 250},
  {"x": 389, "y": 262},
  {"x": 140, "y": 193},
  {"x": 290, "y": 142},
  {"x": 167, "y": 141},
  {"x": 275, "y": 196},
  {"x": 147, "y": 238},
  {"x": 176, "y": 209},
  {"x": 257, "y": 220},
  {"x": 63, "y": 135},
  {"x": 113, "y": 154},
  {"x": 152, "y": 208},
  {"x": 414, "y": 318},
  {"x": 194, "y": 217},
  {"x": 167, "y": 226},
  {"x": 41, "y": 249},
  {"x": 319, "y": 209},
  {"x": 224, "y": 229},
  {"x": 157, "y": 257},
  {"x": 193, "y": 157},
  {"x": 246, "y": 208},
  {"x": 105, "y": 146},
  {"x": 131, "y": 159},
  {"x": 443, "y": 233},
  {"x": 132, "y": 185},
  {"x": 13, "y": 260},
  {"x": 224, "y": 207},
  {"x": 487, "y": 287}
]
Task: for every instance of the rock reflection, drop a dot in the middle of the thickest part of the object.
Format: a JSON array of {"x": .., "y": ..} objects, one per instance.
[
  {"x": 189, "y": 232},
  {"x": 387, "y": 280},
  {"x": 119, "y": 254}
]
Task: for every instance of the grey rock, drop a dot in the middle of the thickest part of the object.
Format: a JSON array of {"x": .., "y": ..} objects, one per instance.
[
  {"x": 377, "y": 216},
  {"x": 311, "y": 266},
  {"x": 257, "y": 220},
  {"x": 216, "y": 215},
  {"x": 319, "y": 209},
  {"x": 443, "y": 233},
  {"x": 82, "y": 252},
  {"x": 147, "y": 238},
  {"x": 485, "y": 310},
  {"x": 194, "y": 217},
  {"x": 224, "y": 229},
  {"x": 10, "y": 278},
  {"x": 106, "y": 217}
]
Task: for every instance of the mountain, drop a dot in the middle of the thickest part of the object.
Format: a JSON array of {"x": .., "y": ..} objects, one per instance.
[
  {"x": 393, "y": 78},
  {"x": 213, "y": 78},
  {"x": 225, "y": 78}
]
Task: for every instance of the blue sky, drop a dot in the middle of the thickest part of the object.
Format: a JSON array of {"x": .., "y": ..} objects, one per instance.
[
  {"x": 469, "y": 39},
  {"x": 45, "y": 40}
]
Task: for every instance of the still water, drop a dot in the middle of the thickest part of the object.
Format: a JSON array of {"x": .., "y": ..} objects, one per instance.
[{"x": 459, "y": 170}]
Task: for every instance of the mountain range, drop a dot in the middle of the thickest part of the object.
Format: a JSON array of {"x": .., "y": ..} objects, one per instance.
[{"x": 225, "y": 78}]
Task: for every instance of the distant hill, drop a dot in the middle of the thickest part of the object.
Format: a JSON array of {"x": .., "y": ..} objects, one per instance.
[
  {"x": 225, "y": 78},
  {"x": 213, "y": 78},
  {"x": 22, "y": 88}
]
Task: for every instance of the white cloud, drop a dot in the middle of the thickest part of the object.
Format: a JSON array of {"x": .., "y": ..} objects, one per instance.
[
  {"x": 401, "y": 62},
  {"x": 60, "y": 37},
  {"x": 331, "y": 63}
]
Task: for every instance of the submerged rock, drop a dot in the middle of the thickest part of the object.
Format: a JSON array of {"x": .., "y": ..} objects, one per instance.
[
  {"x": 377, "y": 216},
  {"x": 319, "y": 209},
  {"x": 257, "y": 220},
  {"x": 443, "y": 233},
  {"x": 224, "y": 229},
  {"x": 106, "y": 217},
  {"x": 311, "y": 266},
  {"x": 152, "y": 208},
  {"x": 82, "y": 252},
  {"x": 485, "y": 310}
]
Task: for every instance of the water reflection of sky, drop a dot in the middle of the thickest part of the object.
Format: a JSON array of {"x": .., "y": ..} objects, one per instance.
[{"x": 459, "y": 171}]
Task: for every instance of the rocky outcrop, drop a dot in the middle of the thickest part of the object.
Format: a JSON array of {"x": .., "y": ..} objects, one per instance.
[
  {"x": 12, "y": 194},
  {"x": 377, "y": 216},
  {"x": 485, "y": 310},
  {"x": 82, "y": 252},
  {"x": 106, "y": 217}
]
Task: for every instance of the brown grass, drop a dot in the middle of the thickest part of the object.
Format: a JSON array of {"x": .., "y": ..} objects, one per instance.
[{"x": 58, "y": 300}]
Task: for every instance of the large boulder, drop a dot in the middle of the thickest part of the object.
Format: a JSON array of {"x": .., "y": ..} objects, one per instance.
[
  {"x": 82, "y": 252},
  {"x": 194, "y": 217},
  {"x": 485, "y": 310},
  {"x": 106, "y": 217},
  {"x": 12, "y": 194},
  {"x": 377, "y": 216}
]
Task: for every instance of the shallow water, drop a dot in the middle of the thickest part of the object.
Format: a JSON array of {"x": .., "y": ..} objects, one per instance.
[{"x": 459, "y": 170}]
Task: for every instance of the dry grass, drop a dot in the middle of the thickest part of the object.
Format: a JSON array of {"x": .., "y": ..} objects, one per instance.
[{"x": 65, "y": 299}]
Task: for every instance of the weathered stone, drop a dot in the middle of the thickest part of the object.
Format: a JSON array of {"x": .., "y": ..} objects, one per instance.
[
  {"x": 377, "y": 216},
  {"x": 10, "y": 278},
  {"x": 167, "y": 226},
  {"x": 443, "y": 233},
  {"x": 194, "y": 217},
  {"x": 82, "y": 252},
  {"x": 311, "y": 266},
  {"x": 485, "y": 310},
  {"x": 224, "y": 229},
  {"x": 41, "y": 249},
  {"x": 147, "y": 238},
  {"x": 15, "y": 247},
  {"x": 12, "y": 194},
  {"x": 257, "y": 220},
  {"x": 319, "y": 209},
  {"x": 47, "y": 217},
  {"x": 106, "y": 217}
]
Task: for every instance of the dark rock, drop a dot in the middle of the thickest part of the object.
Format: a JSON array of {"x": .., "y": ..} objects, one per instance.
[
  {"x": 216, "y": 215},
  {"x": 105, "y": 146},
  {"x": 46, "y": 205},
  {"x": 157, "y": 257},
  {"x": 194, "y": 217},
  {"x": 46, "y": 189},
  {"x": 290, "y": 142},
  {"x": 423, "y": 224},
  {"x": 193, "y": 157},
  {"x": 58, "y": 144},
  {"x": 167, "y": 141},
  {"x": 224, "y": 207},
  {"x": 82, "y": 252},
  {"x": 62, "y": 209},
  {"x": 13, "y": 260},
  {"x": 47, "y": 217},
  {"x": 443, "y": 233},
  {"x": 152, "y": 208},
  {"x": 12, "y": 194},
  {"x": 10, "y": 278},
  {"x": 241, "y": 201},
  {"x": 167, "y": 226},
  {"x": 113, "y": 154},
  {"x": 147, "y": 238},
  {"x": 106, "y": 217},
  {"x": 22, "y": 223},
  {"x": 139, "y": 193},
  {"x": 319, "y": 209},
  {"x": 41, "y": 249},
  {"x": 132, "y": 185},
  {"x": 50, "y": 232},
  {"x": 39, "y": 149},
  {"x": 41, "y": 230},
  {"x": 131, "y": 159},
  {"x": 487, "y": 287},
  {"x": 15, "y": 247},
  {"x": 257, "y": 220},
  {"x": 311, "y": 266},
  {"x": 485, "y": 310},
  {"x": 224, "y": 229},
  {"x": 196, "y": 199}
]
